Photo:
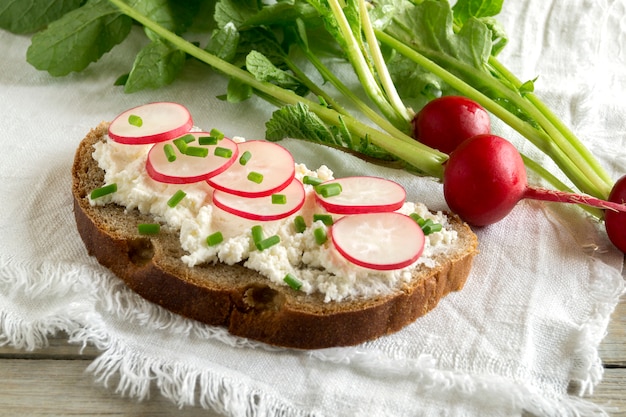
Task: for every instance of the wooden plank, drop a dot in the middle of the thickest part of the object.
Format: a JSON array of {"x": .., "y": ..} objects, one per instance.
[
  {"x": 57, "y": 348},
  {"x": 613, "y": 348},
  {"x": 611, "y": 393},
  {"x": 61, "y": 388}
]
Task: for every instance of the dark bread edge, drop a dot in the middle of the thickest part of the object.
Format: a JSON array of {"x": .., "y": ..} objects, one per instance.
[{"x": 256, "y": 309}]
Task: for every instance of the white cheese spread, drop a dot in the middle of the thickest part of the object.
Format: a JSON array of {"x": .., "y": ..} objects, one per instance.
[{"x": 320, "y": 268}]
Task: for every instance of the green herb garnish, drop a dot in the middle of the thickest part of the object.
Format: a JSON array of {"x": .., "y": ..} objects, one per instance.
[
  {"x": 320, "y": 235},
  {"x": 267, "y": 242},
  {"x": 176, "y": 198},
  {"x": 256, "y": 177},
  {"x": 279, "y": 199},
  {"x": 328, "y": 190},
  {"x": 169, "y": 152},
  {"x": 427, "y": 225},
  {"x": 217, "y": 134},
  {"x": 299, "y": 224},
  {"x": 207, "y": 140},
  {"x": 215, "y": 239},
  {"x": 197, "y": 151},
  {"x": 102, "y": 191},
  {"x": 327, "y": 219},
  {"x": 223, "y": 152},
  {"x": 148, "y": 228},
  {"x": 292, "y": 281},
  {"x": 245, "y": 157},
  {"x": 307, "y": 179},
  {"x": 135, "y": 120}
]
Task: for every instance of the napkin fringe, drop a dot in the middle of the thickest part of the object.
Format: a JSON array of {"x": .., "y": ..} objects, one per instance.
[
  {"x": 21, "y": 284},
  {"x": 134, "y": 375}
]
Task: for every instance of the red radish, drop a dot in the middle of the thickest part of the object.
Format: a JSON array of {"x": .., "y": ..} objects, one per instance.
[
  {"x": 381, "y": 241},
  {"x": 262, "y": 208},
  {"x": 363, "y": 195},
  {"x": 186, "y": 168},
  {"x": 445, "y": 122},
  {"x": 485, "y": 177},
  {"x": 151, "y": 123},
  {"x": 269, "y": 169},
  {"x": 615, "y": 222}
]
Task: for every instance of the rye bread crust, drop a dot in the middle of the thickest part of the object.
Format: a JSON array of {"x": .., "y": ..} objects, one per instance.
[{"x": 242, "y": 300}]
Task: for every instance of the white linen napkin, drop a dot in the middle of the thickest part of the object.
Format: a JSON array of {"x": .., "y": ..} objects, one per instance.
[{"x": 520, "y": 338}]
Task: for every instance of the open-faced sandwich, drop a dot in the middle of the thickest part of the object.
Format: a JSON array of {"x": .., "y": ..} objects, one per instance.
[{"x": 236, "y": 233}]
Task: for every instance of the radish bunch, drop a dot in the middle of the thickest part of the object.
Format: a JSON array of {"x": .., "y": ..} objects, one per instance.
[
  {"x": 256, "y": 180},
  {"x": 485, "y": 177}
]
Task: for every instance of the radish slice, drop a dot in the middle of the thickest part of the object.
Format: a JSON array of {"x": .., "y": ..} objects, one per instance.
[
  {"x": 151, "y": 123},
  {"x": 186, "y": 168},
  {"x": 269, "y": 169},
  {"x": 381, "y": 241},
  {"x": 262, "y": 208},
  {"x": 364, "y": 195}
]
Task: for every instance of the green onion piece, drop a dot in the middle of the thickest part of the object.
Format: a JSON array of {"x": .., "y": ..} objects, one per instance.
[
  {"x": 255, "y": 177},
  {"x": 148, "y": 228},
  {"x": 169, "y": 152},
  {"x": 197, "y": 151},
  {"x": 416, "y": 217},
  {"x": 223, "y": 152},
  {"x": 320, "y": 235},
  {"x": 268, "y": 242},
  {"x": 328, "y": 190},
  {"x": 307, "y": 179},
  {"x": 217, "y": 134},
  {"x": 215, "y": 239},
  {"x": 279, "y": 199},
  {"x": 257, "y": 234},
  {"x": 176, "y": 198},
  {"x": 432, "y": 228},
  {"x": 327, "y": 219},
  {"x": 207, "y": 140},
  {"x": 245, "y": 157},
  {"x": 135, "y": 120},
  {"x": 427, "y": 225},
  {"x": 292, "y": 281},
  {"x": 299, "y": 224},
  {"x": 102, "y": 191},
  {"x": 181, "y": 144}
]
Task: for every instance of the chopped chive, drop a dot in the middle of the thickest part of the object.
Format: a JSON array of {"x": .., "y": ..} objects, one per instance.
[
  {"x": 256, "y": 177},
  {"x": 257, "y": 234},
  {"x": 245, "y": 157},
  {"x": 320, "y": 235},
  {"x": 217, "y": 134},
  {"x": 279, "y": 199},
  {"x": 207, "y": 140},
  {"x": 176, "y": 198},
  {"x": 328, "y": 190},
  {"x": 309, "y": 180},
  {"x": 197, "y": 151},
  {"x": 416, "y": 217},
  {"x": 135, "y": 120},
  {"x": 268, "y": 242},
  {"x": 427, "y": 225},
  {"x": 169, "y": 152},
  {"x": 148, "y": 228},
  {"x": 299, "y": 224},
  {"x": 181, "y": 144},
  {"x": 327, "y": 219},
  {"x": 292, "y": 281},
  {"x": 102, "y": 191},
  {"x": 215, "y": 239},
  {"x": 223, "y": 152}
]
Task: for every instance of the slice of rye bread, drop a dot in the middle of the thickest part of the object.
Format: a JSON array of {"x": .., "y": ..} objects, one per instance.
[{"x": 240, "y": 299}]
